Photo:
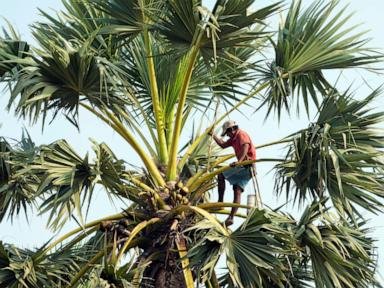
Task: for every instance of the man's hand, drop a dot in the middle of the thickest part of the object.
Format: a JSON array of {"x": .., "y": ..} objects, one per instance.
[
  {"x": 233, "y": 164},
  {"x": 210, "y": 132}
]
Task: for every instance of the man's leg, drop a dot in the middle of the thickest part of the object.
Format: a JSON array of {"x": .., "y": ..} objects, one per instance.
[
  {"x": 236, "y": 200},
  {"x": 221, "y": 186}
]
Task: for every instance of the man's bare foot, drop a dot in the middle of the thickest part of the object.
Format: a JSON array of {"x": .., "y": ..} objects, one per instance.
[{"x": 228, "y": 222}]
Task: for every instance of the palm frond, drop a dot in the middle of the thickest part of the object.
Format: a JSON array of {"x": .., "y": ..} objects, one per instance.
[
  {"x": 310, "y": 41},
  {"x": 250, "y": 250},
  {"x": 230, "y": 77},
  {"x": 206, "y": 248},
  {"x": 341, "y": 253},
  {"x": 11, "y": 50},
  {"x": 67, "y": 180},
  {"x": 60, "y": 79},
  {"x": 231, "y": 24},
  {"x": 17, "y": 182},
  {"x": 300, "y": 274},
  {"x": 178, "y": 22},
  {"x": 27, "y": 268},
  {"x": 68, "y": 177},
  {"x": 108, "y": 166},
  {"x": 249, "y": 263},
  {"x": 79, "y": 20},
  {"x": 235, "y": 24},
  {"x": 5, "y": 149},
  {"x": 126, "y": 18},
  {"x": 339, "y": 154}
]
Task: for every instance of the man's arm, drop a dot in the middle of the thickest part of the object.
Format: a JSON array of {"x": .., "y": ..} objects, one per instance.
[
  {"x": 243, "y": 155},
  {"x": 244, "y": 152},
  {"x": 219, "y": 141}
]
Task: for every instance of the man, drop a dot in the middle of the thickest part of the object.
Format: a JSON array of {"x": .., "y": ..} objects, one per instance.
[{"x": 238, "y": 176}]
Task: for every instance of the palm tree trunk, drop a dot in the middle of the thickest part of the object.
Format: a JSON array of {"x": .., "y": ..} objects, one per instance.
[
  {"x": 168, "y": 279},
  {"x": 167, "y": 274}
]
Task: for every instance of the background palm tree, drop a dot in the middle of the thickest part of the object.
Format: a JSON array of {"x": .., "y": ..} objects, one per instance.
[{"x": 145, "y": 68}]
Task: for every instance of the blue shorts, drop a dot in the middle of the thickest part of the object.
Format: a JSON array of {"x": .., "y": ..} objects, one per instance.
[{"x": 239, "y": 176}]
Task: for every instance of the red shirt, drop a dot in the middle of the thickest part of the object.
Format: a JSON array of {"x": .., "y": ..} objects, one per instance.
[{"x": 239, "y": 139}]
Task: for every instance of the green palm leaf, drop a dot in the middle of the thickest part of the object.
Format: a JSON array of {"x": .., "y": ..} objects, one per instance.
[
  {"x": 17, "y": 182},
  {"x": 127, "y": 18},
  {"x": 341, "y": 254},
  {"x": 80, "y": 20},
  {"x": 249, "y": 260},
  {"x": 5, "y": 149},
  {"x": 179, "y": 23},
  {"x": 27, "y": 268},
  {"x": 70, "y": 179},
  {"x": 229, "y": 25},
  {"x": 338, "y": 155},
  {"x": 60, "y": 80},
  {"x": 310, "y": 41},
  {"x": 250, "y": 250},
  {"x": 11, "y": 49},
  {"x": 108, "y": 168},
  {"x": 238, "y": 24}
]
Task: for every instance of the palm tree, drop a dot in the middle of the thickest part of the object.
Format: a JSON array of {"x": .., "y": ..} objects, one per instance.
[{"x": 145, "y": 68}]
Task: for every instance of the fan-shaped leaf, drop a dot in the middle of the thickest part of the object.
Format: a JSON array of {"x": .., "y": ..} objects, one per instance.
[
  {"x": 338, "y": 155},
  {"x": 310, "y": 41}
]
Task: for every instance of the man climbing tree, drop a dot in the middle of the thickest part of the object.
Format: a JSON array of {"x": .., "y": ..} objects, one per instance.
[{"x": 238, "y": 176}]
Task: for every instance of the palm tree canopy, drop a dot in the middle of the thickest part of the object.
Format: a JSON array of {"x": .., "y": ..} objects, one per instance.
[{"x": 148, "y": 69}]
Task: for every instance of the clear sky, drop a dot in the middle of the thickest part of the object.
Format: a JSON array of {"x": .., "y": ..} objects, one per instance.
[{"x": 21, "y": 13}]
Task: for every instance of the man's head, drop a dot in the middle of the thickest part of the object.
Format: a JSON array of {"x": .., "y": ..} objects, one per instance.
[{"x": 229, "y": 128}]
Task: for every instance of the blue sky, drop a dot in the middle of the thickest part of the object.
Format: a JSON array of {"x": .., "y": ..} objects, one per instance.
[{"x": 21, "y": 13}]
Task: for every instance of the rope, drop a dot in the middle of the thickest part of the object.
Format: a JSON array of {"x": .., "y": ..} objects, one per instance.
[{"x": 258, "y": 203}]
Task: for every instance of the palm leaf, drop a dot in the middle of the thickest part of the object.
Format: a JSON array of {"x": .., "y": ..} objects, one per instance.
[
  {"x": 5, "y": 168},
  {"x": 126, "y": 18},
  {"x": 310, "y": 41},
  {"x": 17, "y": 182},
  {"x": 250, "y": 250},
  {"x": 109, "y": 172},
  {"x": 250, "y": 262},
  {"x": 80, "y": 20},
  {"x": 11, "y": 49},
  {"x": 206, "y": 248},
  {"x": 338, "y": 155},
  {"x": 26, "y": 268},
  {"x": 178, "y": 22},
  {"x": 237, "y": 25},
  {"x": 229, "y": 25},
  {"x": 342, "y": 255},
  {"x": 69, "y": 178},
  {"x": 60, "y": 79},
  {"x": 231, "y": 76}
]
